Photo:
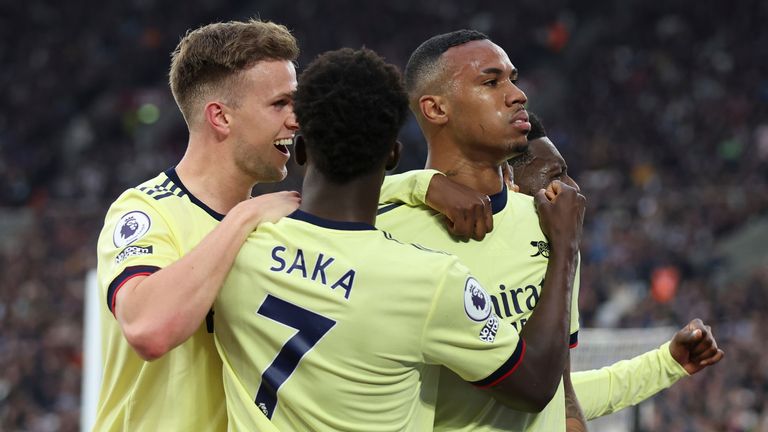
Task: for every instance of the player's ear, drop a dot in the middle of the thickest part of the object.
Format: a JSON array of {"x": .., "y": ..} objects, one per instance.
[
  {"x": 217, "y": 117},
  {"x": 299, "y": 149},
  {"x": 394, "y": 156},
  {"x": 434, "y": 109}
]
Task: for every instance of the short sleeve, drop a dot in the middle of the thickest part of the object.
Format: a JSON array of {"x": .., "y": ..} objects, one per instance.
[
  {"x": 136, "y": 240},
  {"x": 464, "y": 334},
  {"x": 408, "y": 188}
]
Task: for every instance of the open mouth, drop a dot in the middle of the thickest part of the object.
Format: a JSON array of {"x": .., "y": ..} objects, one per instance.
[{"x": 282, "y": 145}]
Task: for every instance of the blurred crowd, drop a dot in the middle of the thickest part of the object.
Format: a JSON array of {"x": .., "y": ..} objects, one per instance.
[{"x": 660, "y": 109}]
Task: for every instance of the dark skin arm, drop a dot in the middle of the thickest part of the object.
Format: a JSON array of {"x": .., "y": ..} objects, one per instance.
[
  {"x": 468, "y": 213},
  {"x": 574, "y": 417},
  {"x": 547, "y": 332}
]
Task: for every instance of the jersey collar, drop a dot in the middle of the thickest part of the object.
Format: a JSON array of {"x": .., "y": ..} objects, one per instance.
[
  {"x": 171, "y": 173},
  {"x": 499, "y": 200},
  {"x": 331, "y": 224}
]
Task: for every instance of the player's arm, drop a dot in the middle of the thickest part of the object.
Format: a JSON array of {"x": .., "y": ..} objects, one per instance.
[
  {"x": 574, "y": 417},
  {"x": 160, "y": 311},
  {"x": 409, "y": 188},
  {"x": 528, "y": 377},
  {"x": 547, "y": 332},
  {"x": 629, "y": 382},
  {"x": 518, "y": 370},
  {"x": 467, "y": 212}
]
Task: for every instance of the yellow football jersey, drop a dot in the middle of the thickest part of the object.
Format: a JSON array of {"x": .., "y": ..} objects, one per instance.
[
  {"x": 510, "y": 263},
  {"x": 333, "y": 326},
  {"x": 147, "y": 228}
]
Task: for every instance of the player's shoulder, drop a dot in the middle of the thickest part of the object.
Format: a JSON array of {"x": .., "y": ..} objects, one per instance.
[
  {"x": 164, "y": 187},
  {"x": 158, "y": 198},
  {"x": 522, "y": 206},
  {"x": 415, "y": 254},
  {"x": 421, "y": 265},
  {"x": 400, "y": 210},
  {"x": 163, "y": 193},
  {"x": 409, "y": 221},
  {"x": 519, "y": 200}
]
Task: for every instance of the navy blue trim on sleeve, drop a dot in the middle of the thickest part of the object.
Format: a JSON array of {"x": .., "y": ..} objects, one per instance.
[
  {"x": 506, "y": 369},
  {"x": 574, "y": 340},
  {"x": 122, "y": 278}
]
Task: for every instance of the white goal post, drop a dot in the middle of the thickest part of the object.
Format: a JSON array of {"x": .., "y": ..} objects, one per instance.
[
  {"x": 92, "y": 360},
  {"x": 600, "y": 347}
]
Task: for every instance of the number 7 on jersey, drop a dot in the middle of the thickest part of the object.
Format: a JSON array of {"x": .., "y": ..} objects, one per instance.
[{"x": 310, "y": 327}]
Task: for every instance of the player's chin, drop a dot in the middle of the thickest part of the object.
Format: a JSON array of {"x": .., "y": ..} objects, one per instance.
[
  {"x": 279, "y": 175},
  {"x": 272, "y": 174},
  {"x": 517, "y": 146}
]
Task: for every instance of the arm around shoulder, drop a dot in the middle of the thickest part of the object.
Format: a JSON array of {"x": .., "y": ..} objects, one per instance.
[
  {"x": 409, "y": 188},
  {"x": 158, "y": 312}
]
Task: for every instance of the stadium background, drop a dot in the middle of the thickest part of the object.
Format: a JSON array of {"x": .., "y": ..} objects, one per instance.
[{"x": 661, "y": 109}]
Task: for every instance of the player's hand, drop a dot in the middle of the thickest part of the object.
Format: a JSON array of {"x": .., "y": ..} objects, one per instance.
[
  {"x": 269, "y": 207},
  {"x": 561, "y": 214},
  {"x": 694, "y": 347},
  {"x": 467, "y": 212}
]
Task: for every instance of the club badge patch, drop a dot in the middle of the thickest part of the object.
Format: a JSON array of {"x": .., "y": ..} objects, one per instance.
[
  {"x": 542, "y": 248},
  {"x": 477, "y": 303},
  {"x": 131, "y": 227}
]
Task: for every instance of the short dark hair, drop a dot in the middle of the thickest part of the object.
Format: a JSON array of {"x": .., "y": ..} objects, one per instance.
[
  {"x": 421, "y": 66},
  {"x": 537, "y": 129},
  {"x": 351, "y": 105}
]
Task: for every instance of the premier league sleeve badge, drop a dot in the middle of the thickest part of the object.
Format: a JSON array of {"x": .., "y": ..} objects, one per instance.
[{"x": 131, "y": 227}]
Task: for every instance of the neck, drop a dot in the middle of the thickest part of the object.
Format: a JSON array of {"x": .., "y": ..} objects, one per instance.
[
  {"x": 482, "y": 176},
  {"x": 213, "y": 180},
  {"x": 354, "y": 201}
]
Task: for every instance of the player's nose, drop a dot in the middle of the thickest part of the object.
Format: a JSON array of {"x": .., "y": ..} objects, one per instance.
[
  {"x": 291, "y": 123},
  {"x": 516, "y": 96}
]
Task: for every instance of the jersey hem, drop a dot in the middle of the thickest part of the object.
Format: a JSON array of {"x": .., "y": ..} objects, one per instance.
[
  {"x": 505, "y": 370},
  {"x": 126, "y": 275},
  {"x": 573, "y": 342}
]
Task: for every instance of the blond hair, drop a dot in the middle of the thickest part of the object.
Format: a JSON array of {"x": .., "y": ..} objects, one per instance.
[{"x": 210, "y": 60}]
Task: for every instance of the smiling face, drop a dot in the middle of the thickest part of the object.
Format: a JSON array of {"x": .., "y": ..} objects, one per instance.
[
  {"x": 262, "y": 123},
  {"x": 485, "y": 107},
  {"x": 544, "y": 166}
]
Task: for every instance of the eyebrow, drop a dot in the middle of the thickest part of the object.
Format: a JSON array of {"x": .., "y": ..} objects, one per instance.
[
  {"x": 492, "y": 70},
  {"x": 289, "y": 95},
  {"x": 497, "y": 71}
]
